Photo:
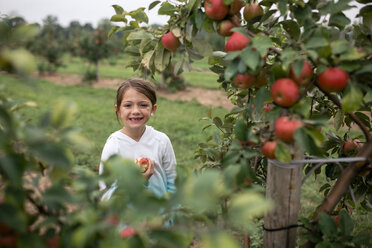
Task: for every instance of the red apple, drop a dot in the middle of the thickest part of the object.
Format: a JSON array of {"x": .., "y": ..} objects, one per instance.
[
  {"x": 54, "y": 242},
  {"x": 268, "y": 149},
  {"x": 236, "y": 42},
  {"x": 252, "y": 10},
  {"x": 215, "y": 9},
  {"x": 127, "y": 232},
  {"x": 351, "y": 147},
  {"x": 225, "y": 26},
  {"x": 305, "y": 76},
  {"x": 333, "y": 79},
  {"x": 285, "y": 92},
  {"x": 244, "y": 81},
  {"x": 170, "y": 42},
  {"x": 266, "y": 108},
  {"x": 9, "y": 241},
  {"x": 143, "y": 163},
  {"x": 285, "y": 128},
  {"x": 113, "y": 220},
  {"x": 336, "y": 219},
  {"x": 235, "y": 7},
  {"x": 248, "y": 181}
]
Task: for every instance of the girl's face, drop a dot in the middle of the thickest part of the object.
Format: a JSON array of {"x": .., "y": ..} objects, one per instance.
[{"x": 135, "y": 110}]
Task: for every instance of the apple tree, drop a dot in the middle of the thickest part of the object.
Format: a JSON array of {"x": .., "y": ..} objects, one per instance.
[
  {"x": 94, "y": 47},
  {"x": 299, "y": 74},
  {"x": 49, "y": 45}
]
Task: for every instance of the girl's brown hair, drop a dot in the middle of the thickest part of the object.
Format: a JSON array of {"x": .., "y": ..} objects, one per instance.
[{"x": 142, "y": 86}]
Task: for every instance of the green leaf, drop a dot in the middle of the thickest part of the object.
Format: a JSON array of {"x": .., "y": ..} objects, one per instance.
[
  {"x": 251, "y": 58},
  {"x": 218, "y": 122},
  {"x": 339, "y": 46},
  {"x": 231, "y": 70},
  {"x": 297, "y": 66},
  {"x": 218, "y": 240},
  {"x": 153, "y": 4},
  {"x": 139, "y": 15},
  {"x": 167, "y": 9},
  {"x": 262, "y": 43},
  {"x": 352, "y": 54},
  {"x": 162, "y": 58},
  {"x": 118, "y": 18},
  {"x": 346, "y": 224},
  {"x": 50, "y": 153},
  {"x": 306, "y": 142},
  {"x": 241, "y": 130},
  {"x": 262, "y": 95},
  {"x": 113, "y": 30},
  {"x": 338, "y": 120},
  {"x": 118, "y": 9},
  {"x": 12, "y": 217},
  {"x": 316, "y": 42},
  {"x": 203, "y": 47},
  {"x": 147, "y": 58},
  {"x": 327, "y": 225},
  {"x": 282, "y": 153},
  {"x": 139, "y": 35},
  {"x": 282, "y": 6},
  {"x": 245, "y": 207},
  {"x": 208, "y": 186},
  {"x": 292, "y": 28},
  {"x": 339, "y": 20},
  {"x": 199, "y": 18},
  {"x": 352, "y": 99}
]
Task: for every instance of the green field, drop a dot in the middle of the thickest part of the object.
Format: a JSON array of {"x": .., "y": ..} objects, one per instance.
[{"x": 97, "y": 120}]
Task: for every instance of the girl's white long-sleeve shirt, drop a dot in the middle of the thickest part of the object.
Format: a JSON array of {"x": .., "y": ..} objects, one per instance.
[{"x": 154, "y": 145}]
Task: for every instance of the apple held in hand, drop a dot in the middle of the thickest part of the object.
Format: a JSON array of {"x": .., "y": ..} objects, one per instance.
[
  {"x": 305, "y": 75},
  {"x": 333, "y": 79},
  {"x": 170, "y": 42},
  {"x": 285, "y": 92},
  {"x": 236, "y": 42},
  {"x": 268, "y": 149},
  {"x": 285, "y": 128},
  {"x": 143, "y": 163},
  {"x": 215, "y": 9}
]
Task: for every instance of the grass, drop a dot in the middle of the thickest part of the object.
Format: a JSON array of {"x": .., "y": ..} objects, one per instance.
[
  {"x": 200, "y": 77},
  {"x": 97, "y": 120}
]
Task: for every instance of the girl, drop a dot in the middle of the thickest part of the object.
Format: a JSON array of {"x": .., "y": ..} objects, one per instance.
[{"x": 135, "y": 104}]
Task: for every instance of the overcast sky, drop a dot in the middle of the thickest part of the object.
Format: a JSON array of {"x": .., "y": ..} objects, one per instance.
[{"x": 84, "y": 11}]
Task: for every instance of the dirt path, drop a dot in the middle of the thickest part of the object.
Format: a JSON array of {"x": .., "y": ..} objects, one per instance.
[{"x": 212, "y": 98}]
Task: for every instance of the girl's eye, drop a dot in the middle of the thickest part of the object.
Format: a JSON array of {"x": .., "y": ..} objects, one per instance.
[
  {"x": 126, "y": 105},
  {"x": 144, "y": 105}
]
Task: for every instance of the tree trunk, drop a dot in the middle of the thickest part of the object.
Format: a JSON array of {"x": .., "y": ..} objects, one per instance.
[
  {"x": 96, "y": 64},
  {"x": 283, "y": 187}
]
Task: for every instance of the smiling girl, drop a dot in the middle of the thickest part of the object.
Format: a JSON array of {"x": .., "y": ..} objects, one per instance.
[{"x": 135, "y": 104}]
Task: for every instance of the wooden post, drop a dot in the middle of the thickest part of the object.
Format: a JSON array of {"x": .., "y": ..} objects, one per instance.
[{"x": 283, "y": 187}]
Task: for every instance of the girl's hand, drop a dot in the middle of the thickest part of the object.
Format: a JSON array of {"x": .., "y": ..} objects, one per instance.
[{"x": 150, "y": 170}]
